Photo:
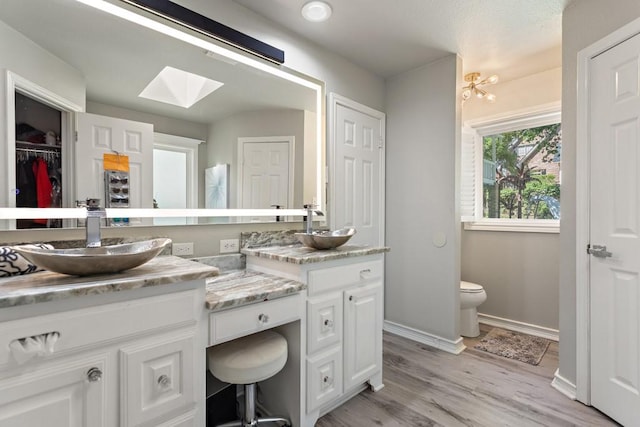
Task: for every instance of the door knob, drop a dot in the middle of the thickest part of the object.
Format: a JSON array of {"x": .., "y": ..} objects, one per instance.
[
  {"x": 599, "y": 251},
  {"x": 94, "y": 375}
]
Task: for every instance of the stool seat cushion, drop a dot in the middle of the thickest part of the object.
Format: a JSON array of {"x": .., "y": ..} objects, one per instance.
[{"x": 248, "y": 359}]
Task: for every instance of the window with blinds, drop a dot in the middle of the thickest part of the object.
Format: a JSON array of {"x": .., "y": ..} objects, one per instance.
[{"x": 511, "y": 172}]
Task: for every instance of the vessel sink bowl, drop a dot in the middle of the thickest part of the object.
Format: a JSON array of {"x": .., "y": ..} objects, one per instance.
[
  {"x": 326, "y": 239},
  {"x": 89, "y": 261}
]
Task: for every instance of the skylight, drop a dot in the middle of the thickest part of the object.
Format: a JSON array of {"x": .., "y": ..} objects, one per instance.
[{"x": 177, "y": 87}]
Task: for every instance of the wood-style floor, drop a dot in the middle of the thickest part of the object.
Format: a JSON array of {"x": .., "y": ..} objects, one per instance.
[{"x": 429, "y": 387}]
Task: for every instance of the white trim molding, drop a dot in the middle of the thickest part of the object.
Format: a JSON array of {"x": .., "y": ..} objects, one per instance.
[
  {"x": 514, "y": 224},
  {"x": 189, "y": 147},
  {"x": 514, "y": 325},
  {"x": 563, "y": 385},
  {"x": 582, "y": 220},
  {"x": 454, "y": 347}
]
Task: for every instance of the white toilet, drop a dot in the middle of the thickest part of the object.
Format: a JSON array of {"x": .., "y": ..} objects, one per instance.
[{"x": 471, "y": 296}]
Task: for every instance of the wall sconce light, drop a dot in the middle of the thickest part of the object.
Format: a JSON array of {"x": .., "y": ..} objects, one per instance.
[{"x": 473, "y": 88}]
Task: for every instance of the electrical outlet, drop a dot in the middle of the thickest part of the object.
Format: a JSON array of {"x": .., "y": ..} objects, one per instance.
[
  {"x": 182, "y": 249},
  {"x": 229, "y": 245}
]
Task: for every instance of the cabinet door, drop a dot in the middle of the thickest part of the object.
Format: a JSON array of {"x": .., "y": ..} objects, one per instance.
[
  {"x": 362, "y": 333},
  {"x": 324, "y": 373},
  {"x": 158, "y": 378},
  {"x": 55, "y": 395},
  {"x": 324, "y": 322}
]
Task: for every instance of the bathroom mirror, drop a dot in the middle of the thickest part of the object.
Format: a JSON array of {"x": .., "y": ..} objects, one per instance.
[{"x": 99, "y": 63}]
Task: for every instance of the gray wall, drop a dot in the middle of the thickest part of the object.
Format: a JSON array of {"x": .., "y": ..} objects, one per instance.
[
  {"x": 583, "y": 23},
  {"x": 161, "y": 124},
  {"x": 423, "y": 126},
  {"x": 519, "y": 271}
]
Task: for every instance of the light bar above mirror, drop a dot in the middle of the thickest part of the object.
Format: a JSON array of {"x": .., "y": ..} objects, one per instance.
[{"x": 80, "y": 213}]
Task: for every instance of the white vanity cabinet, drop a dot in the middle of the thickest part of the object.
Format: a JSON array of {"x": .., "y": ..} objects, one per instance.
[
  {"x": 135, "y": 362},
  {"x": 344, "y": 315},
  {"x": 344, "y": 329}
]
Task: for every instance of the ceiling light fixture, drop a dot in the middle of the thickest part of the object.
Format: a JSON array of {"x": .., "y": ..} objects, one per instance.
[
  {"x": 473, "y": 87},
  {"x": 316, "y": 11}
]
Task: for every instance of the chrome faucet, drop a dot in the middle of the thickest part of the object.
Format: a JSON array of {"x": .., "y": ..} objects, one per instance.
[
  {"x": 94, "y": 216},
  {"x": 310, "y": 211}
]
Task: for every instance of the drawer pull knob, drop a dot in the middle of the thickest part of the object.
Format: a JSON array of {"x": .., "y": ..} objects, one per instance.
[
  {"x": 263, "y": 318},
  {"x": 326, "y": 380},
  {"x": 328, "y": 323},
  {"x": 164, "y": 381},
  {"x": 365, "y": 271},
  {"x": 94, "y": 375},
  {"x": 350, "y": 297}
]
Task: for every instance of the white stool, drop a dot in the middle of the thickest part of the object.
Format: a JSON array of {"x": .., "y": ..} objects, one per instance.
[{"x": 246, "y": 361}]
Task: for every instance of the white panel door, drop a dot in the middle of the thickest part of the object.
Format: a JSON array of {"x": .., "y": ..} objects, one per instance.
[
  {"x": 265, "y": 175},
  {"x": 615, "y": 223},
  {"x": 362, "y": 334},
  {"x": 98, "y": 135},
  {"x": 358, "y": 175}
]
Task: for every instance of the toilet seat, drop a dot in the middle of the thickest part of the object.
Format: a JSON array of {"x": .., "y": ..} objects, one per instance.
[{"x": 470, "y": 288}]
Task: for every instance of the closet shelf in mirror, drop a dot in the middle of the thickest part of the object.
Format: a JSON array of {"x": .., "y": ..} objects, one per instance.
[{"x": 24, "y": 145}]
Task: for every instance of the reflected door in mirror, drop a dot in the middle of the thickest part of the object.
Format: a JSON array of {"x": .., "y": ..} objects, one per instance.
[
  {"x": 266, "y": 171},
  {"x": 98, "y": 135}
]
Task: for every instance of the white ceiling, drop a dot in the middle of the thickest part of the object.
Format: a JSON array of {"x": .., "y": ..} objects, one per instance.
[{"x": 512, "y": 38}]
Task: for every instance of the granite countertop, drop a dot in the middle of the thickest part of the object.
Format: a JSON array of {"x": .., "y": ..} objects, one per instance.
[
  {"x": 49, "y": 286},
  {"x": 299, "y": 254},
  {"x": 242, "y": 287}
]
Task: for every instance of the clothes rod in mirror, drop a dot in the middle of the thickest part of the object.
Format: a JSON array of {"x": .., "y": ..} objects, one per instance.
[{"x": 80, "y": 213}]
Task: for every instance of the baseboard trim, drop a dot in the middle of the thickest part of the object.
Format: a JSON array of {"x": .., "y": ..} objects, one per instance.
[
  {"x": 525, "y": 328},
  {"x": 454, "y": 347},
  {"x": 564, "y": 386}
]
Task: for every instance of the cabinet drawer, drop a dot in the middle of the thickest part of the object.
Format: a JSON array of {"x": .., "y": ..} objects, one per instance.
[
  {"x": 324, "y": 321},
  {"x": 335, "y": 278},
  {"x": 324, "y": 378},
  {"x": 229, "y": 324},
  {"x": 101, "y": 324},
  {"x": 157, "y": 378}
]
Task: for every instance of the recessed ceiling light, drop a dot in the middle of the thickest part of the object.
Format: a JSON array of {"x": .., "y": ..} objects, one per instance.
[
  {"x": 316, "y": 11},
  {"x": 177, "y": 87}
]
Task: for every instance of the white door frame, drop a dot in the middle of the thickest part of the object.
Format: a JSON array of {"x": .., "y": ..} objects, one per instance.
[
  {"x": 291, "y": 140},
  {"x": 583, "y": 150},
  {"x": 334, "y": 101},
  {"x": 15, "y": 82},
  {"x": 189, "y": 147}
]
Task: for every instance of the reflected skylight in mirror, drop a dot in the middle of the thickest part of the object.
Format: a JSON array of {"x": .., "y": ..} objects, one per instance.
[{"x": 178, "y": 87}]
